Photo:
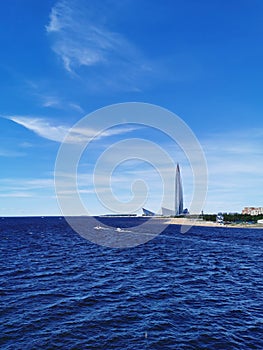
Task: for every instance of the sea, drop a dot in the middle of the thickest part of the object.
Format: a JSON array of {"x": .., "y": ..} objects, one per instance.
[{"x": 201, "y": 289}]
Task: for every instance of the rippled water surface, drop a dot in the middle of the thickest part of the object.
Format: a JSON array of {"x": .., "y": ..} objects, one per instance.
[{"x": 199, "y": 290}]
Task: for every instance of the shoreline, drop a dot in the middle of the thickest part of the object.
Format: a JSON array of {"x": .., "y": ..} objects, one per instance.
[{"x": 198, "y": 222}]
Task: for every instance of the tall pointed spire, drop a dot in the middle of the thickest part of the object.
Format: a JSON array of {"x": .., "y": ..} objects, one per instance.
[{"x": 179, "y": 203}]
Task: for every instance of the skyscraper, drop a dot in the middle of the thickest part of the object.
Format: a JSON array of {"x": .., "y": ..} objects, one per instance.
[
  {"x": 178, "y": 199},
  {"x": 179, "y": 202}
]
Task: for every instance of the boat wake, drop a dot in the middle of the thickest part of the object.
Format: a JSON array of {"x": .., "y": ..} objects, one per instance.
[
  {"x": 101, "y": 228},
  {"x": 117, "y": 229}
]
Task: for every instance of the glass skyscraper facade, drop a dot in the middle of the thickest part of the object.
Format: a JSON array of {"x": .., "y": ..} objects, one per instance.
[{"x": 179, "y": 201}]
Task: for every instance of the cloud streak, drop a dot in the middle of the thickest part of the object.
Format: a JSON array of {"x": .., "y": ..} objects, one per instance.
[
  {"x": 78, "y": 40},
  {"x": 235, "y": 174},
  {"x": 9, "y": 153},
  {"x": 51, "y": 101},
  {"x": 42, "y": 127},
  {"x": 81, "y": 38},
  {"x": 57, "y": 133},
  {"x": 16, "y": 195}
]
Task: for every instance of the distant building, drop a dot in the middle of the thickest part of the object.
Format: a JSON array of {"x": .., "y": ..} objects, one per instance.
[
  {"x": 147, "y": 212},
  {"x": 178, "y": 200},
  {"x": 252, "y": 211},
  {"x": 167, "y": 212},
  {"x": 220, "y": 218}
]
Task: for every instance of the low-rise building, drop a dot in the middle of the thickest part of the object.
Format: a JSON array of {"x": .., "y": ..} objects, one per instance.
[{"x": 252, "y": 210}]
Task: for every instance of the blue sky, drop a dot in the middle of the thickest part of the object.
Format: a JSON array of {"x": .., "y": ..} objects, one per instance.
[{"x": 61, "y": 60}]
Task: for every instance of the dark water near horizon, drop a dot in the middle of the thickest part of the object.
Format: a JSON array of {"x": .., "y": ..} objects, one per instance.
[{"x": 198, "y": 290}]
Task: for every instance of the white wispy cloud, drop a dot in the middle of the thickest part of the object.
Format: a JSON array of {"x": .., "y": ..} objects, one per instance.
[
  {"x": 57, "y": 133},
  {"x": 10, "y": 153},
  {"x": 23, "y": 188},
  {"x": 22, "y": 185},
  {"x": 42, "y": 127},
  {"x": 16, "y": 195},
  {"x": 80, "y": 41},
  {"x": 26, "y": 145},
  {"x": 48, "y": 98},
  {"x": 27, "y": 196},
  {"x": 234, "y": 167},
  {"x": 50, "y": 101},
  {"x": 81, "y": 38},
  {"x": 76, "y": 107}
]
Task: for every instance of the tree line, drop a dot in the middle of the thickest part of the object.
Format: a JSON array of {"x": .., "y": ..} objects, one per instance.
[{"x": 235, "y": 217}]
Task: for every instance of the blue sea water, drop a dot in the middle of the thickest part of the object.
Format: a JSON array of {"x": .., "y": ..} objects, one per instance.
[{"x": 199, "y": 290}]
